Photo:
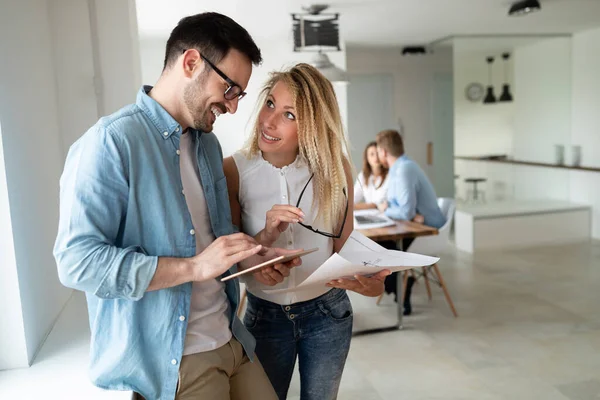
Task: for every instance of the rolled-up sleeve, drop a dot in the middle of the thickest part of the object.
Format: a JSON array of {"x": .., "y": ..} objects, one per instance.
[
  {"x": 402, "y": 195},
  {"x": 94, "y": 192}
]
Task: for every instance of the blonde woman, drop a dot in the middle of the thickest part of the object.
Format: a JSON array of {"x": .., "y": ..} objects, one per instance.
[{"x": 290, "y": 187}]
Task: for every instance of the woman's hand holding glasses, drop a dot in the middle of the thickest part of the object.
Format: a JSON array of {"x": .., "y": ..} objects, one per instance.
[{"x": 279, "y": 217}]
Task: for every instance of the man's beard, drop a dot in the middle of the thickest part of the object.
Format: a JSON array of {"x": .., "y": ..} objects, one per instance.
[{"x": 192, "y": 97}]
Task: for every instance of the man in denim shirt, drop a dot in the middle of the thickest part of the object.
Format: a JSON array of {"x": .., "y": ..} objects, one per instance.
[{"x": 145, "y": 229}]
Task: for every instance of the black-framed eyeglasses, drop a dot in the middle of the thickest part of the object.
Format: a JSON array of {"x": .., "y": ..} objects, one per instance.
[
  {"x": 326, "y": 234},
  {"x": 233, "y": 90}
]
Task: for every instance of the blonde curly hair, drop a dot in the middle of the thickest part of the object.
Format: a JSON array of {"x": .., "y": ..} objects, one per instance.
[{"x": 321, "y": 138}]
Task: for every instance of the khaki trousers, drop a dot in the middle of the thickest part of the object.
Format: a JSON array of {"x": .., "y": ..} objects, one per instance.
[{"x": 223, "y": 374}]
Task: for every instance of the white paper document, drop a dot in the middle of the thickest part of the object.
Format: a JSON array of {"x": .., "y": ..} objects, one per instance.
[
  {"x": 370, "y": 219},
  {"x": 360, "y": 256}
]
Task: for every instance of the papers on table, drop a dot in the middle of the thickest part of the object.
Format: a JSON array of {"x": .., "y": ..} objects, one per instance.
[
  {"x": 360, "y": 256},
  {"x": 369, "y": 219}
]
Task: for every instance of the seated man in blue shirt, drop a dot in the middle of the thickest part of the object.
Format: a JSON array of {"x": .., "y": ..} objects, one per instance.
[
  {"x": 409, "y": 191},
  {"x": 410, "y": 195},
  {"x": 145, "y": 229}
]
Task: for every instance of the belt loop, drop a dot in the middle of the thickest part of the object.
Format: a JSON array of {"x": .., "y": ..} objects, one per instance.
[{"x": 322, "y": 307}]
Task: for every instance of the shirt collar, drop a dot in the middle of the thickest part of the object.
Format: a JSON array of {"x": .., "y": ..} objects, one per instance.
[{"x": 163, "y": 121}]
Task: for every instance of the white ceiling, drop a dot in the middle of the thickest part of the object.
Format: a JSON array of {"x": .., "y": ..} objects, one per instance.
[
  {"x": 494, "y": 44},
  {"x": 381, "y": 22}
]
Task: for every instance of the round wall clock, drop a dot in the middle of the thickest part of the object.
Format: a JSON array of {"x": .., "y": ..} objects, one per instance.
[{"x": 474, "y": 91}]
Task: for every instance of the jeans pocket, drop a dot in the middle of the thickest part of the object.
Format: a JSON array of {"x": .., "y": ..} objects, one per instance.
[
  {"x": 251, "y": 318},
  {"x": 339, "y": 310}
]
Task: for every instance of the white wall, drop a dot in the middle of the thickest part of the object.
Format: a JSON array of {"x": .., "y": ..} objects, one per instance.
[
  {"x": 585, "y": 130},
  {"x": 481, "y": 129},
  {"x": 413, "y": 85},
  {"x": 585, "y": 186},
  {"x": 72, "y": 59},
  {"x": 33, "y": 158},
  {"x": 74, "y": 68},
  {"x": 97, "y": 62},
  {"x": 12, "y": 337},
  {"x": 152, "y": 55},
  {"x": 232, "y": 131},
  {"x": 542, "y": 116},
  {"x": 542, "y": 99},
  {"x": 370, "y": 109},
  {"x": 118, "y": 51}
]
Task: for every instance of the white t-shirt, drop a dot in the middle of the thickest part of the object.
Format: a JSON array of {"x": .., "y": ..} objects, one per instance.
[
  {"x": 370, "y": 192},
  {"x": 208, "y": 322},
  {"x": 261, "y": 187}
]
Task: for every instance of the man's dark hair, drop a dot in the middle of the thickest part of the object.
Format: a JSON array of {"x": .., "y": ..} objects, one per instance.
[{"x": 213, "y": 35}]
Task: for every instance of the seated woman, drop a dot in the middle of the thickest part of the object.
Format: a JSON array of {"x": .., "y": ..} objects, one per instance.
[{"x": 370, "y": 189}]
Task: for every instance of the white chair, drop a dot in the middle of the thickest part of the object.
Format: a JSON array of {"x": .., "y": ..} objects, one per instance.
[{"x": 434, "y": 246}]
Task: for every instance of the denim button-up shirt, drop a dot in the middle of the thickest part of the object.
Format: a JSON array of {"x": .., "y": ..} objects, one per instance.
[{"x": 121, "y": 207}]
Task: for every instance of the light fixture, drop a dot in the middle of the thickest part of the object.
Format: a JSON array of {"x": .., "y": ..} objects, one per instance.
[
  {"x": 524, "y": 7},
  {"x": 505, "y": 96},
  {"x": 317, "y": 31},
  {"x": 413, "y": 50},
  {"x": 322, "y": 62},
  {"x": 489, "y": 97}
]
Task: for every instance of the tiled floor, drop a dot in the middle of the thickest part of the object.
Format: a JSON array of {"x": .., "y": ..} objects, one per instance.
[{"x": 528, "y": 328}]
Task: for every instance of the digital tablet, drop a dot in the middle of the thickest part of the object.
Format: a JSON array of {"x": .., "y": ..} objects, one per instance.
[{"x": 276, "y": 260}]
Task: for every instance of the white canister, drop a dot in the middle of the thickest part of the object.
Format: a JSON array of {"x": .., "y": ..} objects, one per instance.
[{"x": 560, "y": 154}]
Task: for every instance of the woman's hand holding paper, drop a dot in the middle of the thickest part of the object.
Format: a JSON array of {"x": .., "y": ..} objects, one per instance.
[{"x": 371, "y": 287}]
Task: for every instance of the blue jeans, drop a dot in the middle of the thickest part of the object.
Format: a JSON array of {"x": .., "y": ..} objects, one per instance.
[{"x": 317, "y": 332}]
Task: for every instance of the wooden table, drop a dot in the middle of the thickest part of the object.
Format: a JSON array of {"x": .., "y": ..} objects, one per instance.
[{"x": 402, "y": 230}]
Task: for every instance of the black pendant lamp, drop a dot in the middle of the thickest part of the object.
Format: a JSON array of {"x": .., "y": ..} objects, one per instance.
[
  {"x": 506, "y": 96},
  {"x": 524, "y": 7},
  {"x": 489, "y": 97}
]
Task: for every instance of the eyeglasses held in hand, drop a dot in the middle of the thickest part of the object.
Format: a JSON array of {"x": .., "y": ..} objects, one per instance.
[{"x": 326, "y": 234}]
